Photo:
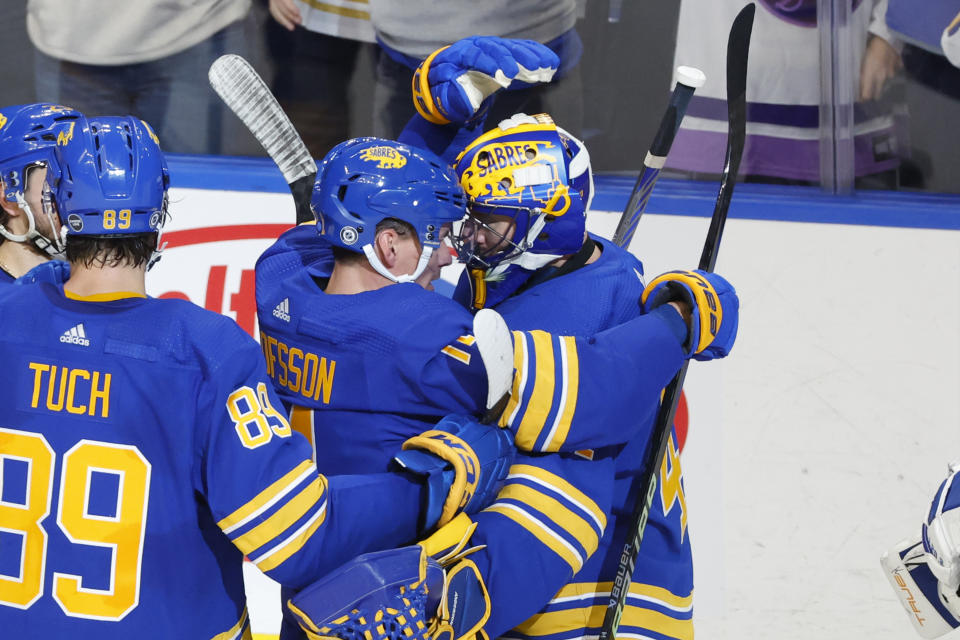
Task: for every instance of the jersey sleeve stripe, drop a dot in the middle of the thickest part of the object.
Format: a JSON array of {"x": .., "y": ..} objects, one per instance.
[
  {"x": 519, "y": 383},
  {"x": 266, "y": 498},
  {"x": 563, "y": 519},
  {"x": 561, "y": 486},
  {"x": 636, "y": 619},
  {"x": 541, "y": 398},
  {"x": 457, "y": 354},
  {"x": 467, "y": 340},
  {"x": 570, "y": 374},
  {"x": 238, "y": 631},
  {"x": 541, "y": 531},
  {"x": 638, "y": 592},
  {"x": 275, "y": 556},
  {"x": 293, "y": 510}
]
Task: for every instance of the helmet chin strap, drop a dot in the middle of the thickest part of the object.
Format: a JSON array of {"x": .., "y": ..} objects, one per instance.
[
  {"x": 382, "y": 270},
  {"x": 52, "y": 248}
]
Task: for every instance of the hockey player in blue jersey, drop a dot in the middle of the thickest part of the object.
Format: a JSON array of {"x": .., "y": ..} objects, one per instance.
[
  {"x": 530, "y": 258},
  {"x": 29, "y": 225},
  {"x": 144, "y": 453},
  {"x": 347, "y": 301}
]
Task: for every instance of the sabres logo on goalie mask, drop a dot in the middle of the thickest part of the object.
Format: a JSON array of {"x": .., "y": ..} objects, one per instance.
[{"x": 386, "y": 157}]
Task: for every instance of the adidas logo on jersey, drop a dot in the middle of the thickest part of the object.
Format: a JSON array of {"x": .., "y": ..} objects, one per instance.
[
  {"x": 282, "y": 310},
  {"x": 75, "y": 335}
]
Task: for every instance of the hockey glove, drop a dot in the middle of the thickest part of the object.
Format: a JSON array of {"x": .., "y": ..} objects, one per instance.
[
  {"x": 455, "y": 82},
  {"x": 931, "y": 606},
  {"x": 402, "y": 594},
  {"x": 463, "y": 463},
  {"x": 941, "y": 531},
  {"x": 715, "y": 309}
]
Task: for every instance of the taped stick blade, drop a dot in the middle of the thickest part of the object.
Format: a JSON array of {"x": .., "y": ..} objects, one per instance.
[{"x": 242, "y": 89}]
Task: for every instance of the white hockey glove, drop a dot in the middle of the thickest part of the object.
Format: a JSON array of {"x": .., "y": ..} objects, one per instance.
[{"x": 928, "y": 603}]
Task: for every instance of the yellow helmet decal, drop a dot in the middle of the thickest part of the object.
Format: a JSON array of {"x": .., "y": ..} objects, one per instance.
[
  {"x": 66, "y": 136},
  {"x": 153, "y": 136},
  {"x": 511, "y": 171},
  {"x": 3, "y": 120},
  {"x": 386, "y": 157}
]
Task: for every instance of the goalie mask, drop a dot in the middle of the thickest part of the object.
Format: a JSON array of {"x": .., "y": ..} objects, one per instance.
[
  {"x": 366, "y": 180},
  {"x": 28, "y": 136},
  {"x": 536, "y": 175},
  {"x": 114, "y": 180}
]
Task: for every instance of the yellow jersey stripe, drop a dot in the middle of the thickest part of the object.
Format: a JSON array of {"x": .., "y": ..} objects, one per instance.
[
  {"x": 467, "y": 340},
  {"x": 237, "y": 631},
  {"x": 648, "y": 592},
  {"x": 276, "y": 556},
  {"x": 301, "y": 419},
  {"x": 953, "y": 24},
  {"x": 519, "y": 384},
  {"x": 457, "y": 354},
  {"x": 541, "y": 532},
  {"x": 269, "y": 496},
  {"x": 340, "y": 11},
  {"x": 541, "y": 399},
  {"x": 556, "y": 622},
  {"x": 562, "y": 517},
  {"x": 569, "y": 368},
  {"x": 103, "y": 297},
  {"x": 561, "y": 486},
  {"x": 285, "y": 516}
]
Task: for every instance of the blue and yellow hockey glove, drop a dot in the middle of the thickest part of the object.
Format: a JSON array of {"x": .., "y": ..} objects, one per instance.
[
  {"x": 715, "y": 309},
  {"x": 412, "y": 593},
  {"x": 454, "y": 82},
  {"x": 463, "y": 463}
]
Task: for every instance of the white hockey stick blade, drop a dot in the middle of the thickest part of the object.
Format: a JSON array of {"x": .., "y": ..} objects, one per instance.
[
  {"x": 495, "y": 344},
  {"x": 242, "y": 89}
]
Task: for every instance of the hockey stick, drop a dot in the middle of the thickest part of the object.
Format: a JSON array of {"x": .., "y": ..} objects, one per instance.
[
  {"x": 242, "y": 89},
  {"x": 738, "y": 47},
  {"x": 689, "y": 80}
]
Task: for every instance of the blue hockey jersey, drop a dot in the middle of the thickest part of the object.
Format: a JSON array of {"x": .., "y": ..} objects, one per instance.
[
  {"x": 660, "y": 605},
  {"x": 409, "y": 352},
  {"x": 395, "y": 343},
  {"x": 143, "y": 453}
]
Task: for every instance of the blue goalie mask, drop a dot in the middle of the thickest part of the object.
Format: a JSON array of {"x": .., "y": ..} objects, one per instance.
[
  {"x": 364, "y": 181},
  {"x": 535, "y": 174},
  {"x": 29, "y": 133}
]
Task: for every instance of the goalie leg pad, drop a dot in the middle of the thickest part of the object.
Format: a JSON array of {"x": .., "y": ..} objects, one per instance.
[
  {"x": 922, "y": 597},
  {"x": 388, "y": 595}
]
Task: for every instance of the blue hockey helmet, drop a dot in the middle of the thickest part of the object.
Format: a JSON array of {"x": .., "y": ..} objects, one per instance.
[
  {"x": 28, "y": 135},
  {"x": 366, "y": 180},
  {"x": 535, "y": 173},
  {"x": 114, "y": 179}
]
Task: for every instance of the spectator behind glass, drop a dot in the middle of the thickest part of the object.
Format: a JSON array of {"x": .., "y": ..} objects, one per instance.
[
  {"x": 145, "y": 57},
  {"x": 930, "y": 30},
  {"x": 783, "y": 91},
  {"x": 411, "y": 30},
  {"x": 315, "y": 64}
]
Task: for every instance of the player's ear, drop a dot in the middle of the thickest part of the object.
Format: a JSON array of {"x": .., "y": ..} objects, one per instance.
[
  {"x": 386, "y": 246},
  {"x": 11, "y": 208}
]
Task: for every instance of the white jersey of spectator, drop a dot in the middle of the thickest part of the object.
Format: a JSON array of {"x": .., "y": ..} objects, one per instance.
[
  {"x": 342, "y": 18},
  {"x": 137, "y": 31},
  {"x": 417, "y": 28},
  {"x": 783, "y": 89}
]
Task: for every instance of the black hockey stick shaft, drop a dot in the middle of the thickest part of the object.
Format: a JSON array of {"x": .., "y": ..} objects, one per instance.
[
  {"x": 738, "y": 47},
  {"x": 688, "y": 80}
]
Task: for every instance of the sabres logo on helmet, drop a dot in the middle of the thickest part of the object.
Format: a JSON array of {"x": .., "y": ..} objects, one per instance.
[
  {"x": 386, "y": 157},
  {"x": 3, "y": 120},
  {"x": 66, "y": 135},
  {"x": 524, "y": 171}
]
